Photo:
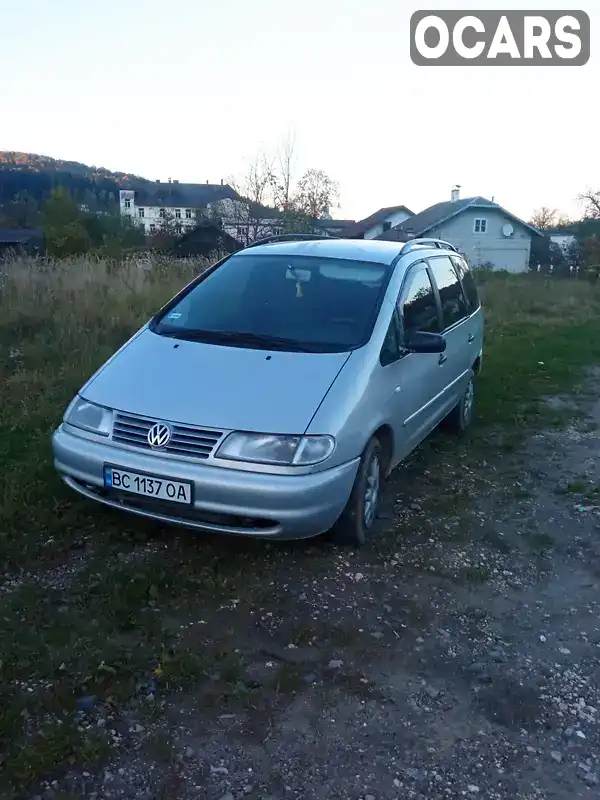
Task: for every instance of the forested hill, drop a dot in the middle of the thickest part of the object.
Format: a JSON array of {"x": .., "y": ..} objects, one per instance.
[{"x": 26, "y": 180}]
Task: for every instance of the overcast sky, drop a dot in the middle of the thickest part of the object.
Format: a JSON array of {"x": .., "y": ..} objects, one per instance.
[{"x": 193, "y": 89}]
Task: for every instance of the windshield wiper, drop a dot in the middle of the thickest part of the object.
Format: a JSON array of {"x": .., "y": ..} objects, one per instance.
[{"x": 260, "y": 341}]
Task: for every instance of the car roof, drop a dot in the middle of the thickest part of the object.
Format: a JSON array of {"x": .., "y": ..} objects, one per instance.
[{"x": 380, "y": 252}]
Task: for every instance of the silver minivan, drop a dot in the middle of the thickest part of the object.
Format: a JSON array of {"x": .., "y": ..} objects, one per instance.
[{"x": 276, "y": 391}]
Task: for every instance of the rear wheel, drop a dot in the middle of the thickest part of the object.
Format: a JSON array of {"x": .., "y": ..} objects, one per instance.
[
  {"x": 461, "y": 416},
  {"x": 358, "y": 520}
]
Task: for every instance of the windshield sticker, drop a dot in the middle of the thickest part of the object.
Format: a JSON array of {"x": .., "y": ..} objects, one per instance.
[{"x": 174, "y": 315}]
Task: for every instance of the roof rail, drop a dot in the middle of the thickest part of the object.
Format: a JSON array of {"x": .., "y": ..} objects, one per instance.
[
  {"x": 439, "y": 243},
  {"x": 289, "y": 237}
]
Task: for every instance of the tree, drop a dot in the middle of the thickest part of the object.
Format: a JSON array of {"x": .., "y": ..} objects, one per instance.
[
  {"x": 544, "y": 218},
  {"x": 563, "y": 220},
  {"x": 590, "y": 247},
  {"x": 591, "y": 204},
  {"x": 248, "y": 218},
  {"x": 168, "y": 231},
  {"x": 547, "y": 256},
  {"x": 317, "y": 194},
  {"x": 64, "y": 229},
  {"x": 112, "y": 235},
  {"x": 69, "y": 231},
  {"x": 272, "y": 198},
  {"x": 586, "y": 248},
  {"x": 575, "y": 255},
  {"x": 21, "y": 212},
  {"x": 282, "y": 175}
]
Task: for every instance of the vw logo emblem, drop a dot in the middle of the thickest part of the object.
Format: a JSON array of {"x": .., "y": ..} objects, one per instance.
[{"x": 159, "y": 435}]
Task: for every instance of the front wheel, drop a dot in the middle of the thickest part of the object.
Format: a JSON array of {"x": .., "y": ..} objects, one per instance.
[
  {"x": 359, "y": 518},
  {"x": 461, "y": 416}
]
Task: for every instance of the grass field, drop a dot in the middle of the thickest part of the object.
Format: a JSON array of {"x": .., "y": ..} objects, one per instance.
[{"x": 80, "y": 617}]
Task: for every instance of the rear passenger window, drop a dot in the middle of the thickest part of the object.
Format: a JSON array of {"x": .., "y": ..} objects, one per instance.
[
  {"x": 454, "y": 306},
  {"x": 420, "y": 310},
  {"x": 468, "y": 283}
]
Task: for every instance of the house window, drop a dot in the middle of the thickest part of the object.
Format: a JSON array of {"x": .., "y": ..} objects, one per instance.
[
  {"x": 152, "y": 228},
  {"x": 188, "y": 213},
  {"x": 386, "y": 225},
  {"x": 178, "y": 213},
  {"x": 178, "y": 228},
  {"x": 162, "y": 213},
  {"x": 127, "y": 203},
  {"x": 480, "y": 226},
  {"x": 140, "y": 212}
]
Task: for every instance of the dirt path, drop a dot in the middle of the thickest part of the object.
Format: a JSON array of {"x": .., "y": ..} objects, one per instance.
[{"x": 456, "y": 656}]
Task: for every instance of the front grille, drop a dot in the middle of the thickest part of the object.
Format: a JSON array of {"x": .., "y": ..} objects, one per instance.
[{"x": 185, "y": 440}]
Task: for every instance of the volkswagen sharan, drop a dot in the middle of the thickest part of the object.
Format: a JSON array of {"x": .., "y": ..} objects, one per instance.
[{"x": 273, "y": 395}]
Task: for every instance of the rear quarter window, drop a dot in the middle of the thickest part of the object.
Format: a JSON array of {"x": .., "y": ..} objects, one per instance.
[
  {"x": 468, "y": 283},
  {"x": 454, "y": 304}
]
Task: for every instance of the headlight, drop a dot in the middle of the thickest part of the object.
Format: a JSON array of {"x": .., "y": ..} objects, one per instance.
[
  {"x": 263, "y": 448},
  {"x": 89, "y": 417}
]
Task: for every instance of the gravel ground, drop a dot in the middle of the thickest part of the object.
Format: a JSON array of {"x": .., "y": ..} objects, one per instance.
[{"x": 458, "y": 655}]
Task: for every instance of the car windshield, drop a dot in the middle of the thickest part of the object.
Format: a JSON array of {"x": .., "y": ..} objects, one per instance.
[{"x": 280, "y": 302}]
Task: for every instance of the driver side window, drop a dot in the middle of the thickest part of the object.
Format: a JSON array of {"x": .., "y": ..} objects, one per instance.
[{"x": 419, "y": 309}]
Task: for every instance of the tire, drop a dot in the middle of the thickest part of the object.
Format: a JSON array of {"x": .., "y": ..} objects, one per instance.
[
  {"x": 359, "y": 519},
  {"x": 461, "y": 416}
]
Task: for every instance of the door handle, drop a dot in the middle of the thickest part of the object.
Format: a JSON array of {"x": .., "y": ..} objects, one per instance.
[
  {"x": 442, "y": 359},
  {"x": 471, "y": 338}
]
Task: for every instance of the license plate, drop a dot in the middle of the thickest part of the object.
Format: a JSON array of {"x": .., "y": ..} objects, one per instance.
[{"x": 148, "y": 485}]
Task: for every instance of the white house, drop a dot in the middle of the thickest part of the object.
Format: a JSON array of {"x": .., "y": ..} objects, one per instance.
[
  {"x": 180, "y": 205},
  {"x": 563, "y": 240},
  {"x": 486, "y": 233}
]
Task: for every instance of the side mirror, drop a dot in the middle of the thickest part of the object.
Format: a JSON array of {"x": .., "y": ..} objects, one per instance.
[{"x": 424, "y": 342}]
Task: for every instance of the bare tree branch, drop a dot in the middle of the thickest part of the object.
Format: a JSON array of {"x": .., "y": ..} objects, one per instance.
[
  {"x": 544, "y": 218},
  {"x": 283, "y": 177},
  {"x": 591, "y": 203}
]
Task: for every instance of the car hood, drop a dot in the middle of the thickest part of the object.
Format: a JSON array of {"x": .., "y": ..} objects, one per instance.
[{"x": 230, "y": 388}]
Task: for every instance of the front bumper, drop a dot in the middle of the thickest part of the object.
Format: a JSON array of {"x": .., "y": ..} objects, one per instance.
[{"x": 225, "y": 500}]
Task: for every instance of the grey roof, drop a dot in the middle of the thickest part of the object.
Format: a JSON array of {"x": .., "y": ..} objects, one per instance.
[
  {"x": 441, "y": 212},
  {"x": 19, "y": 235},
  {"x": 183, "y": 195},
  {"x": 379, "y": 216}
]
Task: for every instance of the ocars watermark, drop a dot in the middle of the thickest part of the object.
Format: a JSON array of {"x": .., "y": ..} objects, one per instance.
[{"x": 502, "y": 38}]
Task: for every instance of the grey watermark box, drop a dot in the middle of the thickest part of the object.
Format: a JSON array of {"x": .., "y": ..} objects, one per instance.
[{"x": 500, "y": 38}]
